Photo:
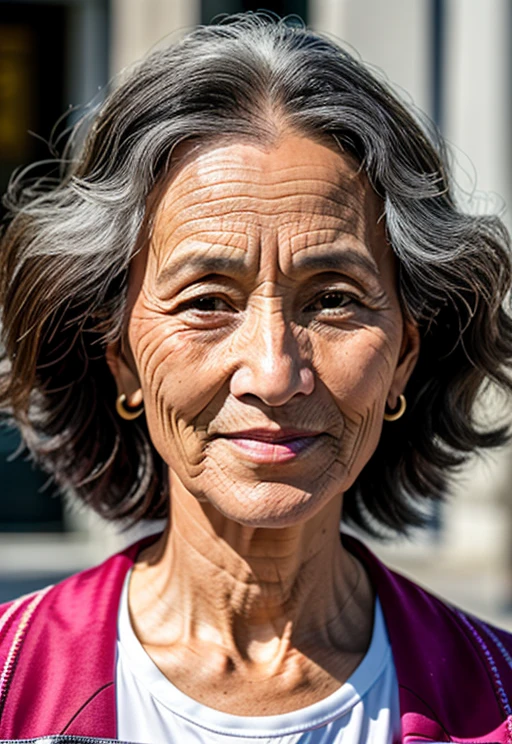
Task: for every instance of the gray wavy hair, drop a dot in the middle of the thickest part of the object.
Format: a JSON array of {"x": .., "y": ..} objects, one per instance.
[{"x": 66, "y": 251}]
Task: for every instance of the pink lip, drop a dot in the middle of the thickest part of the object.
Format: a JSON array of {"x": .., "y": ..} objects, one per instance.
[{"x": 264, "y": 446}]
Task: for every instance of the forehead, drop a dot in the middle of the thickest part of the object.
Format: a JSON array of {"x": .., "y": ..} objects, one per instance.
[{"x": 297, "y": 194}]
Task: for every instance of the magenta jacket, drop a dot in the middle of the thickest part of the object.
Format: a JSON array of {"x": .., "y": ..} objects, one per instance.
[{"x": 58, "y": 655}]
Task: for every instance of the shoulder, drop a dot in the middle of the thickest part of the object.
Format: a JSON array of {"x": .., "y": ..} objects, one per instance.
[
  {"x": 15, "y": 617},
  {"x": 45, "y": 637},
  {"x": 439, "y": 649},
  {"x": 445, "y": 649},
  {"x": 430, "y": 615},
  {"x": 493, "y": 645},
  {"x": 67, "y": 605},
  {"x": 15, "y": 620},
  {"x": 16, "y": 613}
]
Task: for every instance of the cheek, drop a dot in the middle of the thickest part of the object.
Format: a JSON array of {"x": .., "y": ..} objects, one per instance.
[
  {"x": 179, "y": 380},
  {"x": 358, "y": 374},
  {"x": 169, "y": 365},
  {"x": 359, "y": 369}
]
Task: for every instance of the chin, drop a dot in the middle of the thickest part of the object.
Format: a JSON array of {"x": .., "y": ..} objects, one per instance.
[{"x": 269, "y": 504}]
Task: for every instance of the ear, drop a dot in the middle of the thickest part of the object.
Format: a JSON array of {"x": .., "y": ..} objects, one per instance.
[
  {"x": 409, "y": 353},
  {"x": 124, "y": 371}
]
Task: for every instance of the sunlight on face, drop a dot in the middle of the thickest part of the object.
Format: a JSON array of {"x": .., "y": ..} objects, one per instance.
[{"x": 266, "y": 329}]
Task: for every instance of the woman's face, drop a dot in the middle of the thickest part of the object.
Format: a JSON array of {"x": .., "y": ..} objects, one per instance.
[{"x": 266, "y": 330}]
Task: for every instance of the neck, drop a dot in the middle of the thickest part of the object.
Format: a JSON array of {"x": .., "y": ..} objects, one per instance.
[{"x": 252, "y": 592}]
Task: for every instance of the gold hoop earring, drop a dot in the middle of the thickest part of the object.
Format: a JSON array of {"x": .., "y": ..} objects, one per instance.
[
  {"x": 395, "y": 415},
  {"x": 125, "y": 412}
]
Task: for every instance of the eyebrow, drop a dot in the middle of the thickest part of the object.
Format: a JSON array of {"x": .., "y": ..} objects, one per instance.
[
  {"x": 203, "y": 264},
  {"x": 323, "y": 261},
  {"x": 332, "y": 260}
]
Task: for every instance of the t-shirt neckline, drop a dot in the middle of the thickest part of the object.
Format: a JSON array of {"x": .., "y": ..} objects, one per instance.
[{"x": 318, "y": 714}]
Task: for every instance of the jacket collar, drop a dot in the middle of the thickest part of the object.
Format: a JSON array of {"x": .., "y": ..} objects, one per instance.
[
  {"x": 64, "y": 678},
  {"x": 445, "y": 689},
  {"x": 445, "y": 682}
]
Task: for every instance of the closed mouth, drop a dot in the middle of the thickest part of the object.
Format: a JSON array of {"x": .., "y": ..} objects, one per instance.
[
  {"x": 272, "y": 437},
  {"x": 273, "y": 447}
]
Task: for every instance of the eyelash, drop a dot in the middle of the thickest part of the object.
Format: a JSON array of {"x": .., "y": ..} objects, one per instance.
[
  {"x": 348, "y": 299},
  {"x": 196, "y": 302}
]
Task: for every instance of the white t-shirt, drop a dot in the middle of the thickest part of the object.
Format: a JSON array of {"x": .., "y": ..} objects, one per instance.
[{"x": 151, "y": 710}]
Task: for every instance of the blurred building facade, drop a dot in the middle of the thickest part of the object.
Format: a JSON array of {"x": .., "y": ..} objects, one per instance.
[{"x": 450, "y": 58}]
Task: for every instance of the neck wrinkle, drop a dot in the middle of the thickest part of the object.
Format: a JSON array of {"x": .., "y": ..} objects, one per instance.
[{"x": 256, "y": 593}]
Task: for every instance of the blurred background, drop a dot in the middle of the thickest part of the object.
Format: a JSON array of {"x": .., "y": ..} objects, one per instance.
[{"x": 450, "y": 58}]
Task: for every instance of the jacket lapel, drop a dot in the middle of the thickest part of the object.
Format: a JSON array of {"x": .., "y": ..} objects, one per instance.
[
  {"x": 65, "y": 673},
  {"x": 446, "y": 686},
  {"x": 64, "y": 677}
]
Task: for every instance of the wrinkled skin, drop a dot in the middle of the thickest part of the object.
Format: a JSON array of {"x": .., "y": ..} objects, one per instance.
[{"x": 265, "y": 308}]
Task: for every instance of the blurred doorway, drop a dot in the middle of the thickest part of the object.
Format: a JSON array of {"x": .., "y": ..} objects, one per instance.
[
  {"x": 212, "y": 8},
  {"x": 53, "y": 60}
]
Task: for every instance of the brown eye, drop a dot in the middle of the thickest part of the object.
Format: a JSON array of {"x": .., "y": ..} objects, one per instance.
[
  {"x": 207, "y": 304},
  {"x": 329, "y": 301},
  {"x": 333, "y": 300}
]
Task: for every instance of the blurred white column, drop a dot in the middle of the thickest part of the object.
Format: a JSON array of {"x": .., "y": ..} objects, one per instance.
[
  {"x": 140, "y": 25},
  {"x": 477, "y": 126},
  {"x": 329, "y": 17},
  {"x": 392, "y": 36},
  {"x": 477, "y": 96}
]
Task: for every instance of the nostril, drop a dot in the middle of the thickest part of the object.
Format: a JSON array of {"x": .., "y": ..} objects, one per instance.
[
  {"x": 273, "y": 388},
  {"x": 307, "y": 380}
]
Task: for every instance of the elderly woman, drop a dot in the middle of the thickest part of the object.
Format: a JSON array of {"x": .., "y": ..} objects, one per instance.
[{"x": 249, "y": 303}]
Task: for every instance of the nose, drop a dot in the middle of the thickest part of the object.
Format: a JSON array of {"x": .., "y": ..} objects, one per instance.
[{"x": 271, "y": 363}]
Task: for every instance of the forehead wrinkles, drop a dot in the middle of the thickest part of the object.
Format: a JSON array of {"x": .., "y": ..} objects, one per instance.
[
  {"x": 210, "y": 185},
  {"x": 239, "y": 199}
]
